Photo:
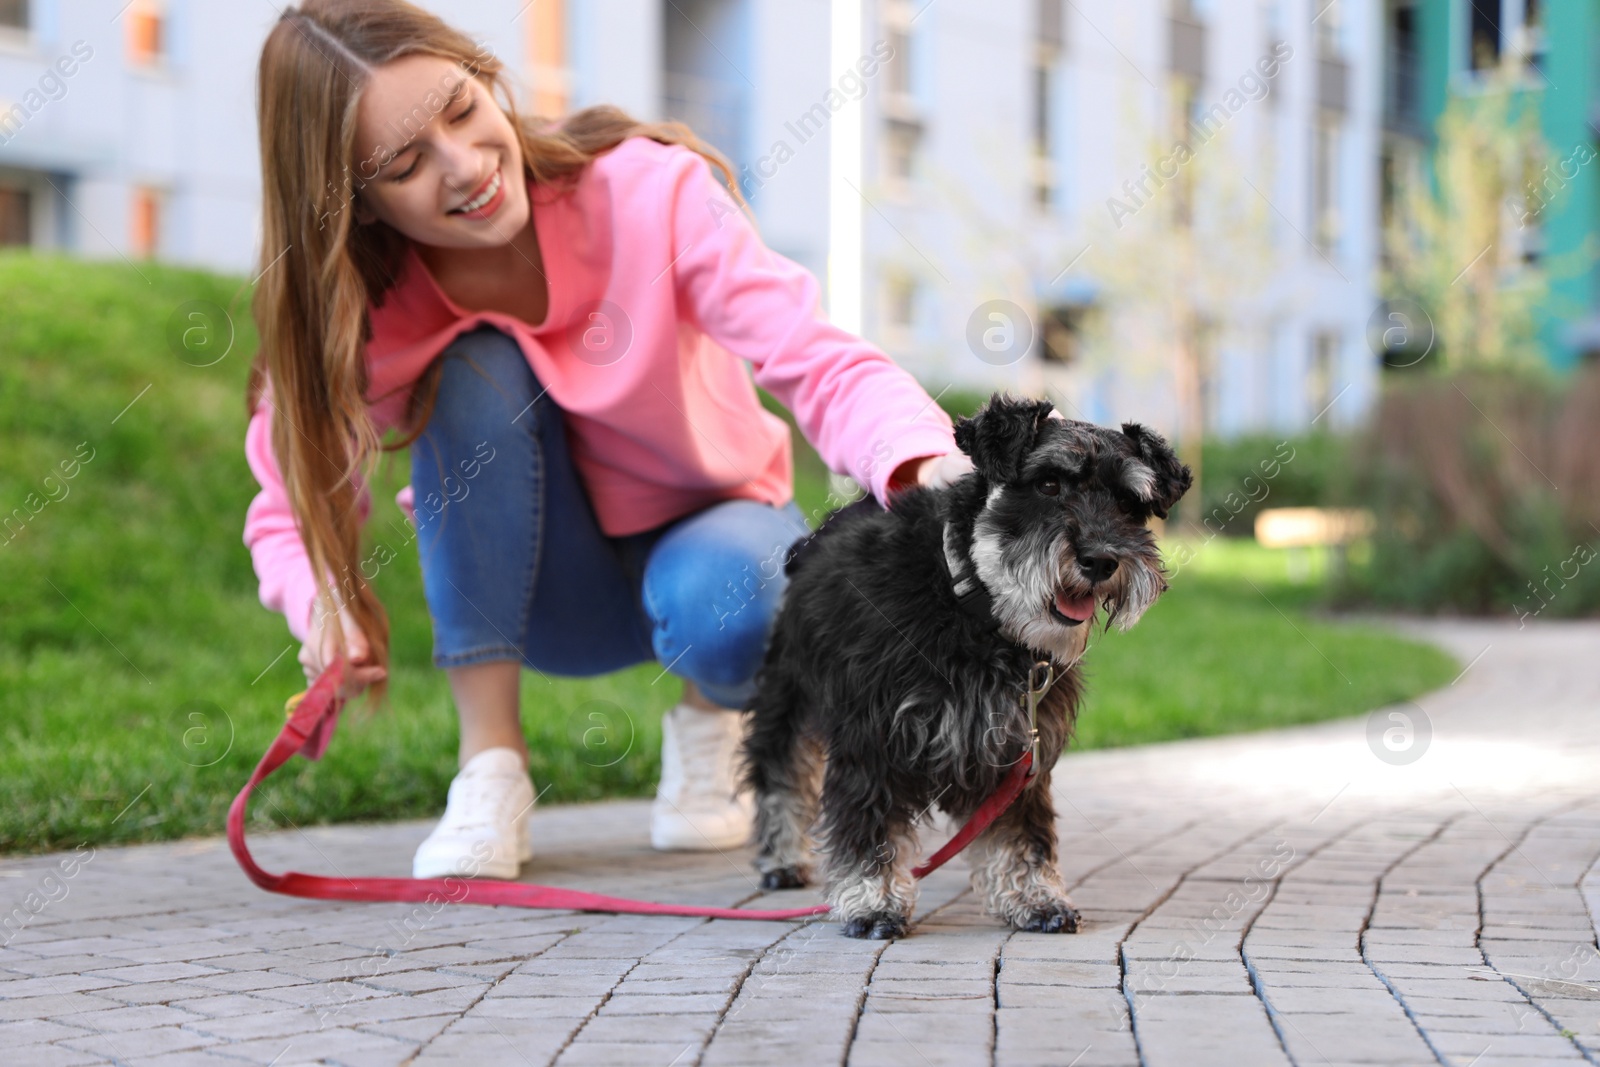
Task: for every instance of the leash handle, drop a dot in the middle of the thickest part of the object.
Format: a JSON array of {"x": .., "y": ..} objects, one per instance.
[{"x": 309, "y": 726}]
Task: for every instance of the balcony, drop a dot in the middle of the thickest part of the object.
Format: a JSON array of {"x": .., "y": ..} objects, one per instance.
[
  {"x": 713, "y": 108},
  {"x": 1333, "y": 84},
  {"x": 1402, "y": 99},
  {"x": 1186, "y": 47}
]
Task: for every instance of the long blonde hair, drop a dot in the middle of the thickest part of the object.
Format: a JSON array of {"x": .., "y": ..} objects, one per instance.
[{"x": 321, "y": 270}]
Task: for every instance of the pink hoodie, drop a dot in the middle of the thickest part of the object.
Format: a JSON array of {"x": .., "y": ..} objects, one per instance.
[{"x": 659, "y": 289}]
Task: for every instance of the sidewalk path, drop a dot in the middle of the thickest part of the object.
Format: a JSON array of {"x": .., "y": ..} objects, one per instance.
[{"x": 1282, "y": 898}]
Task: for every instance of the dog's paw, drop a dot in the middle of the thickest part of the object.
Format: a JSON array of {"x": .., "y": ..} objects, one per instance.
[
  {"x": 783, "y": 878},
  {"x": 1056, "y": 917},
  {"x": 881, "y": 927}
]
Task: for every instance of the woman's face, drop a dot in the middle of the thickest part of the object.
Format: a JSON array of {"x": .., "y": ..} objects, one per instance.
[{"x": 436, "y": 158}]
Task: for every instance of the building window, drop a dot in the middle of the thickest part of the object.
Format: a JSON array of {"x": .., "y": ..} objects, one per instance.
[
  {"x": 900, "y": 151},
  {"x": 1321, "y": 372},
  {"x": 1048, "y": 41},
  {"x": 1043, "y": 162},
  {"x": 1483, "y": 34},
  {"x": 713, "y": 108},
  {"x": 1327, "y": 26},
  {"x": 1186, "y": 39},
  {"x": 146, "y": 33},
  {"x": 897, "y": 18},
  {"x": 900, "y": 303},
  {"x": 14, "y": 15},
  {"x": 1325, "y": 220},
  {"x": 1061, "y": 334},
  {"x": 1402, "y": 66},
  {"x": 145, "y": 222},
  {"x": 1510, "y": 32},
  {"x": 903, "y": 129},
  {"x": 1185, "y": 117},
  {"x": 1532, "y": 40},
  {"x": 16, "y": 217}
]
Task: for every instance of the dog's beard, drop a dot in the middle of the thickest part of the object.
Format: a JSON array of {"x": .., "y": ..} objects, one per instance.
[
  {"x": 1136, "y": 585},
  {"x": 1022, "y": 578},
  {"x": 1023, "y": 574}
]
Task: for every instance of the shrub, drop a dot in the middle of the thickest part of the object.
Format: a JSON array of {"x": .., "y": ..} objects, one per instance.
[
  {"x": 1242, "y": 476},
  {"x": 1487, "y": 492}
]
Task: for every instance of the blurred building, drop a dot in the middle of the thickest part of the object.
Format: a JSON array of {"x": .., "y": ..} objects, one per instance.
[
  {"x": 1018, "y": 230},
  {"x": 1155, "y": 209},
  {"x": 1437, "y": 48},
  {"x": 1180, "y": 194},
  {"x": 127, "y": 127}
]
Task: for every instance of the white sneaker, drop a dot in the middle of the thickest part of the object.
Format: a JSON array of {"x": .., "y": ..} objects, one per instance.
[
  {"x": 484, "y": 832},
  {"x": 698, "y": 805}
]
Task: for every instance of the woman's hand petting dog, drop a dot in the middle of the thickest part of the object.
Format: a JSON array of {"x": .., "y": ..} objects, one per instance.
[{"x": 937, "y": 472}]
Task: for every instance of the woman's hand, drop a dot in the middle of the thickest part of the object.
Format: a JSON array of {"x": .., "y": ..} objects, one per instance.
[
  {"x": 936, "y": 472},
  {"x": 321, "y": 648},
  {"x": 931, "y": 472}
]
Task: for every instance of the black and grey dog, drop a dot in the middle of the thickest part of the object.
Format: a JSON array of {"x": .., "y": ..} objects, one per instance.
[{"x": 895, "y": 674}]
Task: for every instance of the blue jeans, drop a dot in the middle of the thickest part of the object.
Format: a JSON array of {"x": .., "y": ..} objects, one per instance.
[{"x": 515, "y": 566}]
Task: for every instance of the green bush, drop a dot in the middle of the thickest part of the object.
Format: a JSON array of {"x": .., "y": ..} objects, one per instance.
[
  {"x": 1485, "y": 490},
  {"x": 1244, "y": 475}
]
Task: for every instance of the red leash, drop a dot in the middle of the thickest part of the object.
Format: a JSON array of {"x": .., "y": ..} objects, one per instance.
[{"x": 310, "y": 727}]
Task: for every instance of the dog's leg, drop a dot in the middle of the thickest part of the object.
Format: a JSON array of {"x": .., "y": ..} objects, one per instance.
[
  {"x": 783, "y": 768},
  {"x": 1014, "y": 865},
  {"x": 871, "y": 845},
  {"x": 786, "y": 806}
]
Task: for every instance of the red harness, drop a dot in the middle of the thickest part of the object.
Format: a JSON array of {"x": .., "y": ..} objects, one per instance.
[{"x": 310, "y": 727}]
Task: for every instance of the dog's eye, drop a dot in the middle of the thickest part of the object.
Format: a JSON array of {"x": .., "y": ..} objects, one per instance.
[{"x": 1050, "y": 486}]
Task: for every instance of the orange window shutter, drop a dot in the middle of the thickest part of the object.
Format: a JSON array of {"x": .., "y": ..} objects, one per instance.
[
  {"x": 144, "y": 33},
  {"x": 146, "y": 236},
  {"x": 547, "y": 56}
]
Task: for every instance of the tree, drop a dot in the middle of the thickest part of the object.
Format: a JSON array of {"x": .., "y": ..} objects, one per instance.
[{"x": 1458, "y": 245}]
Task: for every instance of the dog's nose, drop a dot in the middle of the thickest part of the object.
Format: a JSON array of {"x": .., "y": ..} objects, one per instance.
[{"x": 1097, "y": 568}]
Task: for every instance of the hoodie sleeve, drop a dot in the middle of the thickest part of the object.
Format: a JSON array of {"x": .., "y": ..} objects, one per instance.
[
  {"x": 272, "y": 535},
  {"x": 863, "y": 413}
]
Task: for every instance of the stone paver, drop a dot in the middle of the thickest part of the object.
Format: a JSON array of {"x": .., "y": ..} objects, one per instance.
[{"x": 1282, "y": 898}]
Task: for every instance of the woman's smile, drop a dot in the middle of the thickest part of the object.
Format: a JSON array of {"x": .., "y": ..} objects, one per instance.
[{"x": 486, "y": 199}]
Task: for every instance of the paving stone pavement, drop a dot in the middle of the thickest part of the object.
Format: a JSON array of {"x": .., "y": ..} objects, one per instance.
[{"x": 1278, "y": 898}]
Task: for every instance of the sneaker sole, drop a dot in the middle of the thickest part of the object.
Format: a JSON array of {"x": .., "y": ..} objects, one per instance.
[
  {"x": 685, "y": 837},
  {"x": 503, "y": 872},
  {"x": 496, "y": 869}
]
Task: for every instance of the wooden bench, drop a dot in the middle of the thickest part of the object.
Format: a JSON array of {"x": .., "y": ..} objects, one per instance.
[{"x": 1299, "y": 529}]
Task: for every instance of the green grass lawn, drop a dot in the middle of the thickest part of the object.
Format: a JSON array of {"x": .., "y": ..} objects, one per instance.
[{"x": 140, "y": 678}]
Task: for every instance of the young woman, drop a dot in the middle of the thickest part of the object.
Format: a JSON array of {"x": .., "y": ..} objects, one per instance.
[{"x": 556, "y": 321}]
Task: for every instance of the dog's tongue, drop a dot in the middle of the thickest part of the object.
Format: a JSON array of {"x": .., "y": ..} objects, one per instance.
[{"x": 1076, "y": 608}]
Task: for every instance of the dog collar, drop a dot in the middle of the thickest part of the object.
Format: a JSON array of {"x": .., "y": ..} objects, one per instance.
[{"x": 971, "y": 593}]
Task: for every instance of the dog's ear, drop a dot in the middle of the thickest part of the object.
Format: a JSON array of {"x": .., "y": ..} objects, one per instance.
[
  {"x": 1172, "y": 479},
  {"x": 1001, "y": 434}
]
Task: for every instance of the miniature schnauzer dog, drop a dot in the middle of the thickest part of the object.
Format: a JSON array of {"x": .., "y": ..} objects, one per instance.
[{"x": 895, "y": 674}]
